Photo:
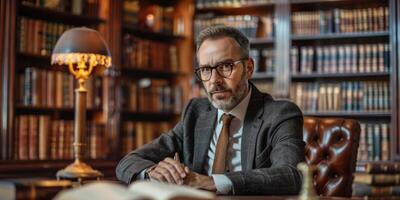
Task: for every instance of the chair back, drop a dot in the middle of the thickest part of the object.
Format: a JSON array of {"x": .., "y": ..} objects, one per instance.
[{"x": 331, "y": 146}]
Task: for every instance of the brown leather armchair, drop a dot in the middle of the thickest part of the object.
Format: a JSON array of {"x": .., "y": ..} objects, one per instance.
[{"x": 331, "y": 146}]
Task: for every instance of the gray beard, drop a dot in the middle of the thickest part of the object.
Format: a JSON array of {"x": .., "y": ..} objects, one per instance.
[{"x": 235, "y": 99}]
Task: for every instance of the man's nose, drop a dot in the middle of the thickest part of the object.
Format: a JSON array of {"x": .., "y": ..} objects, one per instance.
[{"x": 215, "y": 77}]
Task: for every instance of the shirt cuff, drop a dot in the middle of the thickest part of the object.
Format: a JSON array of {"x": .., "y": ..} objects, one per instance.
[
  {"x": 222, "y": 183},
  {"x": 141, "y": 175}
]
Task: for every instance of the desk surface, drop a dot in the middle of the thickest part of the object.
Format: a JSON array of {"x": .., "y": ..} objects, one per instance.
[{"x": 274, "y": 198}]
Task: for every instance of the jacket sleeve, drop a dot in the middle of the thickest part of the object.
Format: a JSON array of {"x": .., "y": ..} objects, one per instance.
[
  {"x": 164, "y": 146},
  {"x": 282, "y": 177}
]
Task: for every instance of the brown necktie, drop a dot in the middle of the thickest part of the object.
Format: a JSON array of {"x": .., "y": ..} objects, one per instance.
[{"x": 222, "y": 146}]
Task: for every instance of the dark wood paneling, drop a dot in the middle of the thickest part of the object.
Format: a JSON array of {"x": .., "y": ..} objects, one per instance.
[
  {"x": 394, "y": 26},
  {"x": 7, "y": 71}
]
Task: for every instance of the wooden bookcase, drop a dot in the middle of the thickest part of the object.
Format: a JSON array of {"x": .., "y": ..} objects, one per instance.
[
  {"x": 153, "y": 93},
  {"x": 263, "y": 41},
  {"x": 113, "y": 113},
  {"x": 284, "y": 79},
  {"x": 43, "y": 26}
]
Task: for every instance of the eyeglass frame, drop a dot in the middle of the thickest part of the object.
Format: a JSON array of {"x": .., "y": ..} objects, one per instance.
[{"x": 234, "y": 63}]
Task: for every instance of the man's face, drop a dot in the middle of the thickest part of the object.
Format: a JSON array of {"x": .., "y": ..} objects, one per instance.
[{"x": 225, "y": 92}]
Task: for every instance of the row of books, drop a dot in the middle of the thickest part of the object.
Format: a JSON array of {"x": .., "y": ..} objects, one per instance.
[
  {"x": 344, "y": 96},
  {"x": 264, "y": 86},
  {"x": 377, "y": 180},
  {"x": 153, "y": 17},
  {"x": 354, "y": 58},
  {"x": 149, "y": 55},
  {"x": 374, "y": 142},
  {"x": 78, "y": 7},
  {"x": 39, "y": 137},
  {"x": 152, "y": 95},
  {"x": 230, "y": 3},
  {"x": 251, "y": 26},
  {"x": 264, "y": 60},
  {"x": 340, "y": 21},
  {"x": 54, "y": 89},
  {"x": 131, "y": 10},
  {"x": 137, "y": 134},
  {"x": 38, "y": 36}
]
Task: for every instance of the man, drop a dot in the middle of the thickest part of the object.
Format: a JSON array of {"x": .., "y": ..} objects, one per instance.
[{"x": 239, "y": 141}]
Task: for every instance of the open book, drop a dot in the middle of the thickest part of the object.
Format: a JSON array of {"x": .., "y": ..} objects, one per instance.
[{"x": 137, "y": 190}]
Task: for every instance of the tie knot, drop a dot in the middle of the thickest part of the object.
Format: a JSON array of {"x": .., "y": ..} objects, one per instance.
[{"x": 226, "y": 119}]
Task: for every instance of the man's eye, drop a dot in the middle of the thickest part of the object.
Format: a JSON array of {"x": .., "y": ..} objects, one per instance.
[
  {"x": 205, "y": 69},
  {"x": 225, "y": 66}
]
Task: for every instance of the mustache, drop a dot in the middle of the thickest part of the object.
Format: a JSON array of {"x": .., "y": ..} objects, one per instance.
[{"x": 217, "y": 88}]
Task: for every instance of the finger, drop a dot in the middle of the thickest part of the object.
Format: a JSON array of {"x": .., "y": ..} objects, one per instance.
[
  {"x": 187, "y": 170},
  {"x": 178, "y": 167},
  {"x": 166, "y": 174},
  {"x": 172, "y": 171},
  {"x": 157, "y": 176}
]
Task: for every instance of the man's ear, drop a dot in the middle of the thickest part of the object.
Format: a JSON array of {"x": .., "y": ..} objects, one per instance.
[{"x": 249, "y": 68}]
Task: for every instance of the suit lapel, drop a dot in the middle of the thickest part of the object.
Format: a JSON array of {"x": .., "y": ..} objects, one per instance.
[
  {"x": 251, "y": 128},
  {"x": 203, "y": 134}
]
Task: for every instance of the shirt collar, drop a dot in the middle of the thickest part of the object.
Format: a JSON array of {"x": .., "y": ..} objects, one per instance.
[{"x": 239, "y": 111}]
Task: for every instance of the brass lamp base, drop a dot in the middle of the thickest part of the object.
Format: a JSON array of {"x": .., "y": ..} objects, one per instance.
[{"x": 79, "y": 171}]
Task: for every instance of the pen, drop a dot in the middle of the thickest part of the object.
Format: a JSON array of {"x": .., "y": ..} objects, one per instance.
[{"x": 176, "y": 157}]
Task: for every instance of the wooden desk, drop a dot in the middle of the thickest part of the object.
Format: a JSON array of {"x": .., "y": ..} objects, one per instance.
[{"x": 275, "y": 198}]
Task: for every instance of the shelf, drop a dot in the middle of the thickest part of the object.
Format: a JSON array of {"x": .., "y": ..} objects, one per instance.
[
  {"x": 48, "y": 14},
  {"x": 33, "y": 57},
  {"x": 48, "y": 168},
  {"x": 350, "y": 114},
  {"x": 262, "y": 76},
  {"x": 325, "y": 1},
  {"x": 151, "y": 35},
  {"x": 341, "y": 75},
  {"x": 262, "y": 41},
  {"x": 150, "y": 117},
  {"x": 240, "y": 9},
  {"x": 21, "y": 110},
  {"x": 139, "y": 73},
  {"x": 331, "y": 36},
  {"x": 329, "y": 4}
]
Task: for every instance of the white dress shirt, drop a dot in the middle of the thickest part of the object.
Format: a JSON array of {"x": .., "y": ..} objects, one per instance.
[{"x": 234, "y": 162}]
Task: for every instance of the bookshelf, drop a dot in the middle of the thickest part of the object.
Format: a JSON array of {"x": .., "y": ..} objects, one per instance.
[
  {"x": 272, "y": 39},
  {"x": 153, "y": 93},
  {"x": 256, "y": 19},
  {"x": 358, "y": 38},
  {"x": 340, "y": 65},
  {"x": 37, "y": 124}
]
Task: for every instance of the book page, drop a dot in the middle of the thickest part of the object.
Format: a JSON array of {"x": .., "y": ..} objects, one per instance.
[
  {"x": 163, "y": 191},
  {"x": 98, "y": 191}
]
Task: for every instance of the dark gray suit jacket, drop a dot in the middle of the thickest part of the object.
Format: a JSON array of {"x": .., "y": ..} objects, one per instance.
[{"x": 272, "y": 146}]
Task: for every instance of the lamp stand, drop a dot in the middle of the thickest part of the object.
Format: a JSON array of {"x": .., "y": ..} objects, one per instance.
[{"x": 79, "y": 170}]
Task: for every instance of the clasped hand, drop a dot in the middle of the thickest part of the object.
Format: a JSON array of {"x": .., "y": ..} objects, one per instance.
[{"x": 173, "y": 171}]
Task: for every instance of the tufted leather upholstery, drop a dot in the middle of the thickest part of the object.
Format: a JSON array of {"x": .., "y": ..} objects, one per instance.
[{"x": 331, "y": 145}]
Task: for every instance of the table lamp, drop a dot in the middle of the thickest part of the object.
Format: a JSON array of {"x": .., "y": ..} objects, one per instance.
[{"x": 81, "y": 50}]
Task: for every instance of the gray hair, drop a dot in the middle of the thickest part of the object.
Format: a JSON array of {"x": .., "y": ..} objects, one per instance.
[{"x": 214, "y": 32}]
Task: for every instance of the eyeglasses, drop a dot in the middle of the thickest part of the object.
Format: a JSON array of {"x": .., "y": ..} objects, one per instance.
[{"x": 223, "y": 69}]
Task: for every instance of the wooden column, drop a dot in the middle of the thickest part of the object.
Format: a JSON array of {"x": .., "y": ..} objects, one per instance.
[
  {"x": 282, "y": 49},
  {"x": 111, "y": 11},
  {"x": 394, "y": 29},
  {"x": 7, "y": 61}
]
